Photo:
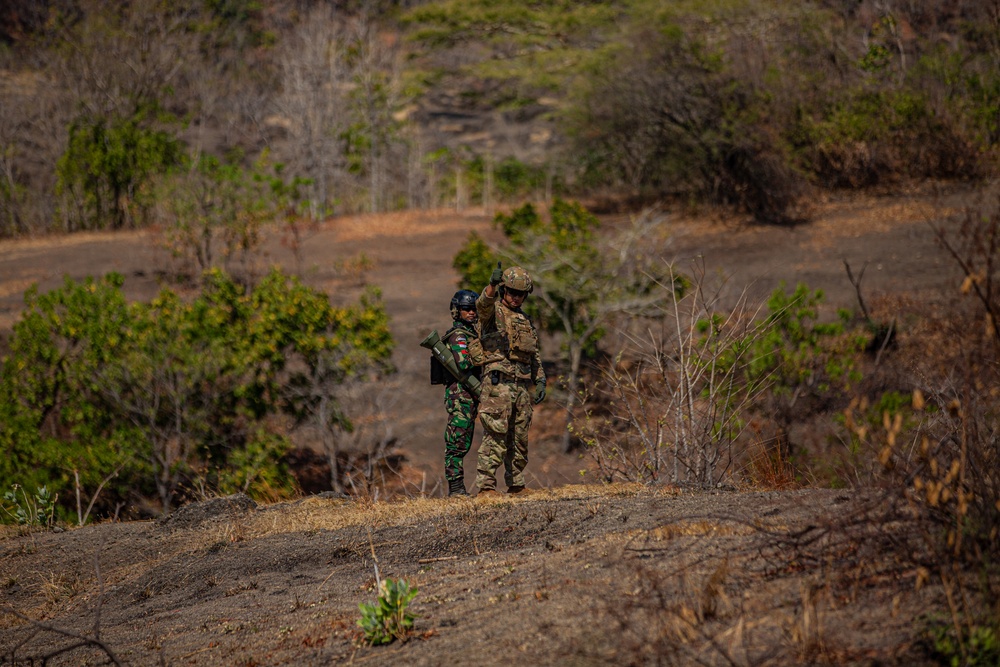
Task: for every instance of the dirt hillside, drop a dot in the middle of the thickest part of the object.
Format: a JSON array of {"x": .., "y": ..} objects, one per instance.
[
  {"x": 571, "y": 574},
  {"x": 577, "y": 575}
]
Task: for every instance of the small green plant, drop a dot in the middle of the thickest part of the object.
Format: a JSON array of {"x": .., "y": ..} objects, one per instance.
[
  {"x": 36, "y": 510},
  {"x": 387, "y": 618},
  {"x": 980, "y": 646}
]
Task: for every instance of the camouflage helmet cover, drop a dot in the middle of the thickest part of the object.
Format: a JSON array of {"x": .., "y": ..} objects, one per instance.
[{"x": 517, "y": 278}]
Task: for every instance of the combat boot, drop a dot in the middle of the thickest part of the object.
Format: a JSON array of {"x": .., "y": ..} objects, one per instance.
[{"x": 456, "y": 487}]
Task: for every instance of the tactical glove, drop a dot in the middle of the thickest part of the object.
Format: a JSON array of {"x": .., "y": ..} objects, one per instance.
[
  {"x": 539, "y": 391},
  {"x": 497, "y": 276}
]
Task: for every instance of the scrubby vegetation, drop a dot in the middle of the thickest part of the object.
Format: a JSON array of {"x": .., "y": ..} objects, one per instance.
[
  {"x": 122, "y": 408},
  {"x": 746, "y": 104}
]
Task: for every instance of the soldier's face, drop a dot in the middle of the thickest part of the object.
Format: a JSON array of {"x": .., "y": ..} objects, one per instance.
[
  {"x": 469, "y": 316},
  {"x": 513, "y": 298}
]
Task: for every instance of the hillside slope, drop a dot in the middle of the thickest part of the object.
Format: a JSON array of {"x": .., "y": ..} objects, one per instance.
[{"x": 573, "y": 575}]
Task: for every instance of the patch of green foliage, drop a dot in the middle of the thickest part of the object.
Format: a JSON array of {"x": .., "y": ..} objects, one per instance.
[
  {"x": 388, "y": 618},
  {"x": 537, "y": 42},
  {"x": 978, "y": 646},
  {"x": 154, "y": 399},
  {"x": 108, "y": 168},
  {"x": 795, "y": 348},
  {"x": 512, "y": 179}
]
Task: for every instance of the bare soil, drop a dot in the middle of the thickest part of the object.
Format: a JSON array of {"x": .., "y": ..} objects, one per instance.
[
  {"x": 574, "y": 575},
  {"x": 570, "y": 574}
]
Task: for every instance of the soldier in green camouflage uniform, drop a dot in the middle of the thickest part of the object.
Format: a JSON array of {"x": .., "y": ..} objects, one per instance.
[
  {"x": 513, "y": 379},
  {"x": 461, "y": 405}
]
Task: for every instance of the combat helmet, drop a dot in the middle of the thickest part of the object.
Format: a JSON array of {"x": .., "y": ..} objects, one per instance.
[
  {"x": 463, "y": 299},
  {"x": 517, "y": 278}
]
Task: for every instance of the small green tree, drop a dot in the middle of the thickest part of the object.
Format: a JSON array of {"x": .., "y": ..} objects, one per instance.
[
  {"x": 212, "y": 210},
  {"x": 108, "y": 168},
  {"x": 581, "y": 281},
  {"x": 802, "y": 359}
]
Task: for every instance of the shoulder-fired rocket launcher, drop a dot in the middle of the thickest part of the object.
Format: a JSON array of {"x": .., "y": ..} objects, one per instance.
[{"x": 443, "y": 355}]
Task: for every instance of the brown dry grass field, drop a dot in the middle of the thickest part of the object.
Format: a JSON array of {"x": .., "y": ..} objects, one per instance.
[{"x": 572, "y": 573}]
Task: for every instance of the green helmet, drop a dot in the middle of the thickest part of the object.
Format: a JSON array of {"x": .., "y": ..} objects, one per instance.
[{"x": 518, "y": 279}]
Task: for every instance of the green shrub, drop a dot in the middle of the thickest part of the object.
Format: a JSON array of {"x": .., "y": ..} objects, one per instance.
[
  {"x": 512, "y": 179},
  {"x": 155, "y": 398},
  {"x": 978, "y": 646},
  {"x": 108, "y": 167},
  {"x": 388, "y": 618},
  {"x": 38, "y": 509}
]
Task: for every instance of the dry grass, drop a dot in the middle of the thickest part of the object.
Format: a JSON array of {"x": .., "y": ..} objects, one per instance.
[
  {"x": 313, "y": 513},
  {"x": 698, "y": 528},
  {"x": 766, "y": 468}
]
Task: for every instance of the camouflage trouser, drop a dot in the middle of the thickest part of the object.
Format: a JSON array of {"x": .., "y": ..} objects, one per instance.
[
  {"x": 505, "y": 411},
  {"x": 458, "y": 433}
]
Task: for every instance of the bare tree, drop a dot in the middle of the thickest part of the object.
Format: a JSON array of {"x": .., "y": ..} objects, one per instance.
[
  {"x": 117, "y": 59},
  {"x": 377, "y": 97},
  {"x": 34, "y": 115},
  {"x": 313, "y": 100},
  {"x": 11, "y": 199},
  {"x": 372, "y": 432},
  {"x": 678, "y": 394}
]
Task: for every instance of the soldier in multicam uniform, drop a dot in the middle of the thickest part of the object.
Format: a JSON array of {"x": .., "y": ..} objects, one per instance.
[
  {"x": 458, "y": 400},
  {"x": 513, "y": 379}
]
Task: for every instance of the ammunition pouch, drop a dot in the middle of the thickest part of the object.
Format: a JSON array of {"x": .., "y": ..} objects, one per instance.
[
  {"x": 523, "y": 339},
  {"x": 494, "y": 345},
  {"x": 476, "y": 354}
]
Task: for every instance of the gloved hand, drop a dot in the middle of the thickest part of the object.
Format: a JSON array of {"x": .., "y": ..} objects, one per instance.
[
  {"x": 539, "y": 391},
  {"x": 497, "y": 276}
]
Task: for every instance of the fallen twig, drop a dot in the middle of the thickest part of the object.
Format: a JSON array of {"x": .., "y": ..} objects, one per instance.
[
  {"x": 82, "y": 640},
  {"x": 423, "y": 561}
]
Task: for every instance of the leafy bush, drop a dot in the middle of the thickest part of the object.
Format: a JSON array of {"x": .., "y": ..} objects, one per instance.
[
  {"x": 388, "y": 618},
  {"x": 108, "y": 167},
  {"x": 170, "y": 396}
]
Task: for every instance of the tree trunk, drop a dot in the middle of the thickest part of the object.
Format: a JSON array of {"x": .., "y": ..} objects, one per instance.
[{"x": 572, "y": 386}]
